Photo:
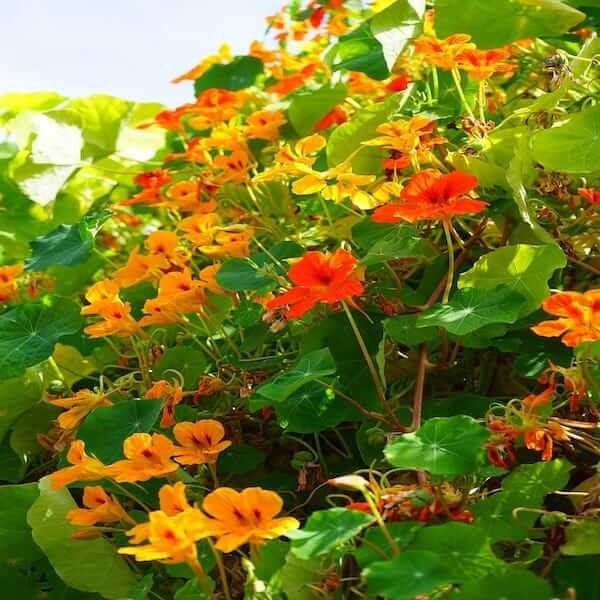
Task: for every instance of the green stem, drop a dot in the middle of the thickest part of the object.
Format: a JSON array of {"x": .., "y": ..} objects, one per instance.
[
  {"x": 222, "y": 572},
  {"x": 461, "y": 94},
  {"x": 386, "y": 533},
  {"x": 450, "y": 276},
  {"x": 482, "y": 101}
]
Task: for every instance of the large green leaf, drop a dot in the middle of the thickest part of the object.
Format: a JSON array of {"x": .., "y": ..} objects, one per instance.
[
  {"x": 470, "y": 309},
  {"x": 374, "y": 541},
  {"x": 239, "y": 74},
  {"x": 189, "y": 362},
  {"x": 308, "y": 107},
  {"x": 412, "y": 573},
  {"x": 85, "y": 565},
  {"x": 524, "y": 268},
  {"x": 17, "y": 396},
  {"x": 513, "y": 583},
  {"x": 67, "y": 245},
  {"x": 497, "y": 23},
  {"x": 583, "y": 537},
  {"x": 464, "y": 548},
  {"x": 29, "y": 332},
  {"x": 311, "y": 366},
  {"x": 105, "y": 429},
  {"x": 447, "y": 446},
  {"x": 24, "y": 436},
  {"x": 16, "y": 543},
  {"x": 404, "y": 330},
  {"x": 326, "y": 529},
  {"x": 580, "y": 573},
  {"x": 572, "y": 146},
  {"x": 525, "y": 487}
]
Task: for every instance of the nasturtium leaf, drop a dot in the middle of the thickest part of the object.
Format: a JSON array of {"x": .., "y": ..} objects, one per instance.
[
  {"x": 17, "y": 396},
  {"x": 509, "y": 584},
  {"x": 412, "y": 573},
  {"x": 12, "y": 468},
  {"x": 583, "y": 537},
  {"x": 572, "y": 146},
  {"x": 404, "y": 330},
  {"x": 497, "y": 23},
  {"x": 311, "y": 366},
  {"x": 239, "y": 74},
  {"x": 24, "y": 435},
  {"x": 15, "y": 102},
  {"x": 301, "y": 576},
  {"x": 29, "y": 332},
  {"x": 8, "y": 150},
  {"x": 470, "y": 309},
  {"x": 308, "y": 107},
  {"x": 447, "y": 446},
  {"x": 105, "y": 429},
  {"x": 85, "y": 565},
  {"x": 465, "y": 549},
  {"x": 525, "y": 487},
  {"x": 326, "y": 529},
  {"x": 67, "y": 245},
  {"x": 374, "y": 541},
  {"x": 580, "y": 573},
  {"x": 347, "y": 138},
  {"x": 240, "y": 458},
  {"x": 389, "y": 242},
  {"x": 259, "y": 270},
  {"x": 16, "y": 543},
  {"x": 196, "y": 590},
  {"x": 270, "y": 559},
  {"x": 190, "y": 362},
  {"x": 523, "y": 268}
]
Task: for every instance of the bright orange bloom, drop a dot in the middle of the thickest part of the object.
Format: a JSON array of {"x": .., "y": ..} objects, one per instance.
[
  {"x": 102, "y": 294},
  {"x": 233, "y": 240},
  {"x": 8, "y": 281},
  {"x": 78, "y": 406},
  {"x": 208, "y": 279},
  {"x": 291, "y": 83},
  {"x": 117, "y": 321},
  {"x": 579, "y": 317},
  {"x": 483, "y": 64},
  {"x": 200, "y": 229},
  {"x": 147, "y": 456},
  {"x": 180, "y": 289},
  {"x": 84, "y": 467},
  {"x": 542, "y": 439},
  {"x": 398, "y": 84},
  {"x": 265, "y": 124},
  {"x": 215, "y": 106},
  {"x": 100, "y": 508},
  {"x": 431, "y": 195},
  {"x": 224, "y": 54},
  {"x": 201, "y": 442},
  {"x": 166, "y": 244},
  {"x": 171, "y": 394},
  {"x": 444, "y": 53},
  {"x": 590, "y": 194},
  {"x": 151, "y": 183},
  {"x": 173, "y": 500},
  {"x": 320, "y": 278},
  {"x": 233, "y": 167},
  {"x": 140, "y": 268},
  {"x": 246, "y": 517},
  {"x": 336, "y": 116}
]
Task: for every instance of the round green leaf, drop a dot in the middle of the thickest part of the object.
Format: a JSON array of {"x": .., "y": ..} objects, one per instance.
[
  {"x": 239, "y": 74},
  {"x": 189, "y": 362},
  {"x": 512, "y": 584}
]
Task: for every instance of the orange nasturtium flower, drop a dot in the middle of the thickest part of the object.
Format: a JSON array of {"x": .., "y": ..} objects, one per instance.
[
  {"x": 151, "y": 183},
  {"x": 78, "y": 406},
  {"x": 245, "y": 517},
  {"x": 83, "y": 467},
  {"x": 201, "y": 442},
  {"x": 443, "y": 53},
  {"x": 431, "y": 195},
  {"x": 147, "y": 456},
  {"x": 483, "y": 64},
  {"x": 265, "y": 124},
  {"x": 579, "y": 317},
  {"x": 100, "y": 507},
  {"x": 166, "y": 244},
  {"x": 100, "y": 295},
  {"x": 117, "y": 321},
  {"x": 590, "y": 194},
  {"x": 171, "y": 394},
  {"x": 8, "y": 281},
  {"x": 320, "y": 278},
  {"x": 140, "y": 268}
]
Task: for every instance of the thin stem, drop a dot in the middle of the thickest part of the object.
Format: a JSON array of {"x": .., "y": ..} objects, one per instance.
[
  {"x": 417, "y": 415},
  {"x": 386, "y": 533},
  {"x": 212, "y": 467},
  {"x": 55, "y": 369},
  {"x": 461, "y": 93},
  {"x": 222, "y": 572},
  {"x": 370, "y": 365},
  {"x": 482, "y": 100},
  {"x": 450, "y": 277},
  {"x": 131, "y": 496}
]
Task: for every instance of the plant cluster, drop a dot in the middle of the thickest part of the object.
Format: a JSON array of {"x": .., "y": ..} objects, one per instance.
[{"x": 329, "y": 330}]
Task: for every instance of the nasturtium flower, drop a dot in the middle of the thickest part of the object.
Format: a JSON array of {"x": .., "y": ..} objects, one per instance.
[
  {"x": 100, "y": 507},
  {"x": 200, "y": 229},
  {"x": 140, "y": 268},
  {"x": 320, "y": 278},
  {"x": 201, "y": 442},
  {"x": 336, "y": 116},
  {"x": 147, "y": 456},
  {"x": 100, "y": 295},
  {"x": 443, "y": 53},
  {"x": 208, "y": 279},
  {"x": 290, "y": 83},
  {"x": 223, "y": 55},
  {"x": 233, "y": 168},
  {"x": 166, "y": 244},
  {"x": 8, "y": 281},
  {"x": 78, "y": 406},
  {"x": 151, "y": 183},
  {"x": 83, "y": 467},
  {"x": 117, "y": 321},
  {"x": 265, "y": 124},
  {"x": 590, "y": 194},
  {"x": 579, "y": 317},
  {"x": 431, "y": 195},
  {"x": 246, "y": 517},
  {"x": 172, "y": 499},
  {"x": 171, "y": 394},
  {"x": 483, "y": 64}
]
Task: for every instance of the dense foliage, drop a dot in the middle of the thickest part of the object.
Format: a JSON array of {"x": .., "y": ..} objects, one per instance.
[{"x": 330, "y": 330}]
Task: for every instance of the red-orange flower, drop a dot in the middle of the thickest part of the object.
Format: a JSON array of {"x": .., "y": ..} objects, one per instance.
[
  {"x": 579, "y": 317},
  {"x": 431, "y": 195},
  {"x": 320, "y": 277},
  {"x": 171, "y": 395},
  {"x": 590, "y": 194},
  {"x": 443, "y": 53},
  {"x": 483, "y": 64},
  {"x": 336, "y": 116}
]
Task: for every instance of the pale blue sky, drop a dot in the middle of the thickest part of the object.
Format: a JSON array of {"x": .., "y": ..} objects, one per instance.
[{"x": 128, "y": 48}]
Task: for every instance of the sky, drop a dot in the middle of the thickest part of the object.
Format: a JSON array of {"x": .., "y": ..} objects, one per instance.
[{"x": 127, "y": 48}]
